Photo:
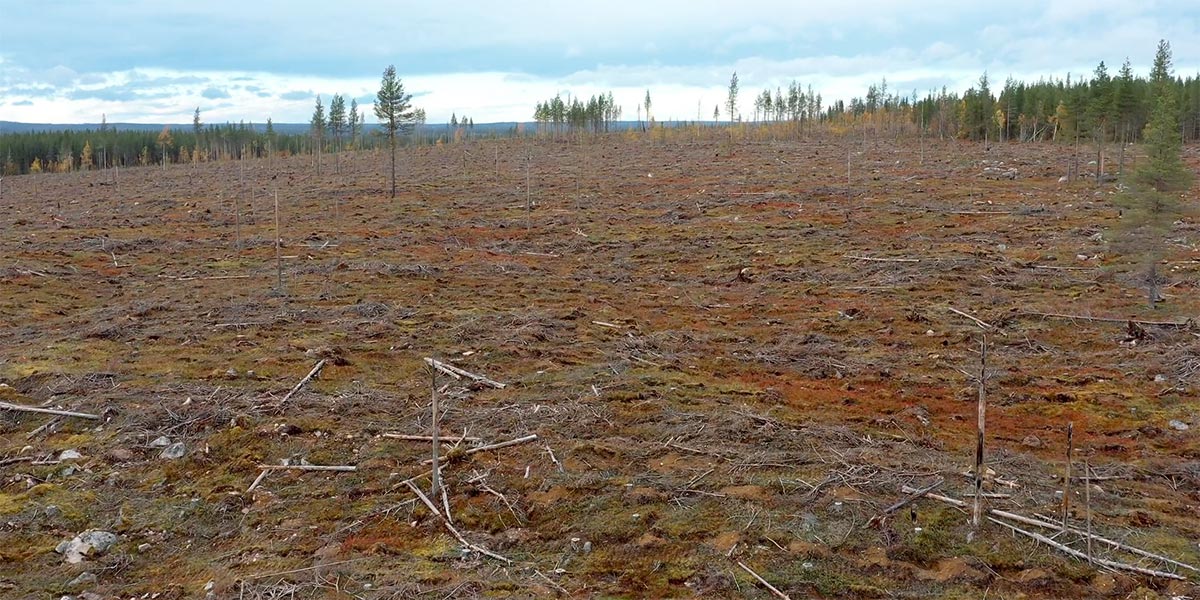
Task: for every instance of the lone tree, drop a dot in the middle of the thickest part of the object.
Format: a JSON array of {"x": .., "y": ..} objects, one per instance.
[
  {"x": 393, "y": 108},
  {"x": 318, "y": 129},
  {"x": 1151, "y": 200},
  {"x": 731, "y": 102}
]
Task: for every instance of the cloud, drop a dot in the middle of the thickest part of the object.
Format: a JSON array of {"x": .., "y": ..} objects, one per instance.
[
  {"x": 214, "y": 93},
  {"x": 297, "y": 95}
]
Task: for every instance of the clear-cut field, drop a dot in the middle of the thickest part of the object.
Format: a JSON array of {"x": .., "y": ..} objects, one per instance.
[{"x": 728, "y": 353}]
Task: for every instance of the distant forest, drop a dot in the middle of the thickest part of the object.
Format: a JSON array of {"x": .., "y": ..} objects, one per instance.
[{"x": 1102, "y": 108}]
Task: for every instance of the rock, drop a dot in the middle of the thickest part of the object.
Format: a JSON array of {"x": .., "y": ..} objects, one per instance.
[
  {"x": 1160, "y": 378},
  {"x": 52, "y": 511},
  {"x": 70, "y": 454},
  {"x": 92, "y": 542},
  {"x": 174, "y": 451},
  {"x": 1178, "y": 425},
  {"x": 1032, "y": 441},
  {"x": 84, "y": 578},
  {"x": 161, "y": 441},
  {"x": 143, "y": 547}
]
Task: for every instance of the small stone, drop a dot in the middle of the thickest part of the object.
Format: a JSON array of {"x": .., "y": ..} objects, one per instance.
[
  {"x": 52, "y": 511},
  {"x": 84, "y": 578},
  {"x": 161, "y": 441},
  {"x": 1160, "y": 378},
  {"x": 70, "y": 454},
  {"x": 930, "y": 332},
  {"x": 62, "y": 546},
  {"x": 1178, "y": 425},
  {"x": 143, "y": 547},
  {"x": 1032, "y": 441},
  {"x": 587, "y": 547},
  {"x": 101, "y": 541},
  {"x": 174, "y": 451},
  {"x": 231, "y": 372}
]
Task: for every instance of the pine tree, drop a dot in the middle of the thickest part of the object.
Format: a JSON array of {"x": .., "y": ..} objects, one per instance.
[
  {"x": 731, "y": 102},
  {"x": 1152, "y": 199},
  {"x": 337, "y": 119},
  {"x": 393, "y": 108},
  {"x": 318, "y": 129},
  {"x": 85, "y": 158},
  {"x": 352, "y": 122}
]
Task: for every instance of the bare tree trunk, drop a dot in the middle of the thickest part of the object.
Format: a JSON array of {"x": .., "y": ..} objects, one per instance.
[
  {"x": 1066, "y": 501},
  {"x": 980, "y": 427},
  {"x": 436, "y": 484}
]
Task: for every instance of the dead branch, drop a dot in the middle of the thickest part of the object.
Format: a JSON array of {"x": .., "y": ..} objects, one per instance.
[
  {"x": 1058, "y": 526},
  {"x": 458, "y": 373},
  {"x": 981, "y": 323},
  {"x": 48, "y": 411},
  {"x": 433, "y": 509},
  {"x": 913, "y": 497},
  {"x": 313, "y": 373},
  {"x": 876, "y": 259},
  {"x": 1112, "y": 564},
  {"x": 773, "y": 589},
  {"x": 521, "y": 440},
  {"x": 428, "y": 438},
  {"x": 342, "y": 468},
  {"x": 1188, "y": 324}
]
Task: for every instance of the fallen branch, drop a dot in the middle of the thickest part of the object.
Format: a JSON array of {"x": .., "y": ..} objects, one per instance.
[
  {"x": 429, "y": 438},
  {"x": 1058, "y": 526},
  {"x": 258, "y": 480},
  {"x": 913, "y": 497},
  {"x": 15, "y": 459},
  {"x": 875, "y": 259},
  {"x": 458, "y": 373},
  {"x": 48, "y": 411},
  {"x": 433, "y": 509},
  {"x": 980, "y": 322},
  {"x": 43, "y": 427},
  {"x": 343, "y": 468},
  {"x": 773, "y": 589},
  {"x": 1188, "y": 324},
  {"x": 313, "y": 373},
  {"x": 521, "y": 440},
  {"x": 1112, "y": 564},
  {"x": 606, "y": 324}
]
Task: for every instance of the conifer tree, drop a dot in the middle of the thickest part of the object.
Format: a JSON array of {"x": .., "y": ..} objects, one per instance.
[
  {"x": 352, "y": 123},
  {"x": 318, "y": 128},
  {"x": 731, "y": 101},
  {"x": 337, "y": 119},
  {"x": 1152, "y": 200},
  {"x": 393, "y": 108}
]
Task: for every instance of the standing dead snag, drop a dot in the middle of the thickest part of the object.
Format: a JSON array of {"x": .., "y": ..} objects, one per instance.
[
  {"x": 980, "y": 427},
  {"x": 436, "y": 483},
  {"x": 1066, "y": 500}
]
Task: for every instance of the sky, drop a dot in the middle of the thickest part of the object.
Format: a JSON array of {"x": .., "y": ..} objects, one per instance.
[{"x": 156, "y": 61}]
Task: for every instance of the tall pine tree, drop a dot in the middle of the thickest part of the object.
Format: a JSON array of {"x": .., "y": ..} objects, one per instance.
[{"x": 393, "y": 108}]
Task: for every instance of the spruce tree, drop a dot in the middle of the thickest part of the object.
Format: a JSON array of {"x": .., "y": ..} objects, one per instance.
[
  {"x": 352, "y": 123},
  {"x": 337, "y": 119},
  {"x": 1151, "y": 201}
]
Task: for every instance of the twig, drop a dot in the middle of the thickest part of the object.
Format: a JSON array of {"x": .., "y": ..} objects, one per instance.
[
  {"x": 773, "y": 589},
  {"x": 1077, "y": 554},
  {"x": 48, "y": 411},
  {"x": 553, "y": 459},
  {"x": 1066, "y": 501},
  {"x": 551, "y": 582},
  {"x": 313, "y": 373},
  {"x": 606, "y": 324},
  {"x": 458, "y": 373},
  {"x": 43, "y": 427},
  {"x": 15, "y": 459}
]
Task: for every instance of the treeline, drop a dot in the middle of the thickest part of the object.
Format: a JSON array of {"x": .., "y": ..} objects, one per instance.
[
  {"x": 65, "y": 151},
  {"x": 1103, "y": 107},
  {"x": 595, "y": 115}
]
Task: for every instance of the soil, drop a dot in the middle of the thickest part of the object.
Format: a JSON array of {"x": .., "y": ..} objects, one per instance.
[{"x": 730, "y": 351}]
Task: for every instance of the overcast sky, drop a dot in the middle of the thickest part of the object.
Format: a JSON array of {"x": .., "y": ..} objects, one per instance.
[{"x": 155, "y": 61}]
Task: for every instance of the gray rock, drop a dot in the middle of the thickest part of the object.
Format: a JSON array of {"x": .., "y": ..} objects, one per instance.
[
  {"x": 1178, "y": 425},
  {"x": 84, "y": 578},
  {"x": 70, "y": 454},
  {"x": 1032, "y": 441},
  {"x": 62, "y": 546},
  {"x": 102, "y": 541},
  {"x": 52, "y": 511},
  {"x": 161, "y": 441},
  {"x": 174, "y": 451}
]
